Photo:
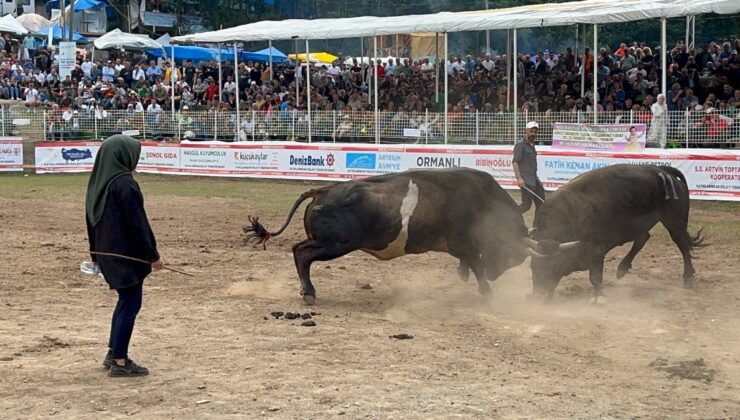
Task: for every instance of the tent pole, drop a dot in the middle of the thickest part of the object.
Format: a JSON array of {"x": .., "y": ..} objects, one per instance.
[
  {"x": 509, "y": 61},
  {"x": 436, "y": 66},
  {"x": 308, "y": 87},
  {"x": 269, "y": 45},
  {"x": 220, "y": 73},
  {"x": 575, "y": 49},
  {"x": 515, "y": 69},
  {"x": 297, "y": 72},
  {"x": 375, "y": 87},
  {"x": 583, "y": 65},
  {"x": 446, "y": 87},
  {"x": 236, "y": 82},
  {"x": 236, "y": 69},
  {"x": 595, "y": 102},
  {"x": 664, "y": 54},
  {"x": 71, "y": 21},
  {"x": 488, "y": 35},
  {"x": 173, "y": 71}
]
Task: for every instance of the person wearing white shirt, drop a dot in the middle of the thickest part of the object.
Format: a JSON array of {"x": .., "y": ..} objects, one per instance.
[
  {"x": 87, "y": 68},
  {"x": 488, "y": 64},
  {"x": 153, "y": 106},
  {"x": 32, "y": 97},
  {"x": 229, "y": 87},
  {"x": 118, "y": 67},
  {"x": 333, "y": 70},
  {"x": 390, "y": 69},
  {"x": 138, "y": 73}
]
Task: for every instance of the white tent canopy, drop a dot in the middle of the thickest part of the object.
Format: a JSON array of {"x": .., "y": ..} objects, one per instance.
[
  {"x": 9, "y": 24},
  {"x": 164, "y": 40},
  {"x": 118, "y": 39},
  {"x": 33, "y": 22},
  {"x": 538, "y": 15}
]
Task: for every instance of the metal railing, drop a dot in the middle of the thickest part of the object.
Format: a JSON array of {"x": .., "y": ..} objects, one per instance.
[{"x": 682, "y": 129}]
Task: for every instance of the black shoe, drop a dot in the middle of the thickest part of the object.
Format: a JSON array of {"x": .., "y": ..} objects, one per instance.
[
  {"x": 129, "y": 369},
  {"x": 108, "y": 361}
]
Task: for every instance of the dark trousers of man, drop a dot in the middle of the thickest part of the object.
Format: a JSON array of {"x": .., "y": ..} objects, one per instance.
[
  {"x": 528, "y": 197},
  {"x": 124, "y": 317}
]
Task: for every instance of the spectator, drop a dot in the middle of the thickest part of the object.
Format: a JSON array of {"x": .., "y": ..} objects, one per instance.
[{"x": 659, "y": 124}]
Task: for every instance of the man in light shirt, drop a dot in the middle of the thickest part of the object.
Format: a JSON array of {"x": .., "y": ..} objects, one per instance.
[
  {"x": 108, "y": 72},
  {"x": 138, "y": 73},
  {"x": 488, "y": 64},
  {"x": 87, "y": 69}
]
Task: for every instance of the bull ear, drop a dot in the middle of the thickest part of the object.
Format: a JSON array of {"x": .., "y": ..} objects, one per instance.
[{"x": 568, "y": 245}]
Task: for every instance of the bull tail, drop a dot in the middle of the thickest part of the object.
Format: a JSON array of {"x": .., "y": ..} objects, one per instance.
[
  {"x": 256, "y": 230},
  {"x": 697, "y": 241}
]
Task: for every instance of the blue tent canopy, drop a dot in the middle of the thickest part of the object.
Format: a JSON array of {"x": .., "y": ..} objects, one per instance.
[
  {"x": 186, "y": 52},
  {"x": 263, "y": 56},
  {"x": 80, "y": 5},
  {"x": 58, "y": 33}
]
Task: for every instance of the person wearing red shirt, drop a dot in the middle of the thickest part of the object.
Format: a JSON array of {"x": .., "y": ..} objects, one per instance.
[{"x": 211, "y": 91}]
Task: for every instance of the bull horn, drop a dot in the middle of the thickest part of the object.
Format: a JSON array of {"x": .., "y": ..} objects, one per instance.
[
  {"x": 568, "y": 245},
  {"x": 531, "y": 243},
  {"x": 530, "y": 232},
  {"x": 534, "y": 254}
]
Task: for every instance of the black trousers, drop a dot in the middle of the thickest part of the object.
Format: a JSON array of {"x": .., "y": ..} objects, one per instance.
[
  {"x": 124, "y": 317},
  {"x": 528, "y": 197}
]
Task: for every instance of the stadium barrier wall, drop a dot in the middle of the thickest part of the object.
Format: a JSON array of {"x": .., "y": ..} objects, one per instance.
[{"x": 711, "y": 174}]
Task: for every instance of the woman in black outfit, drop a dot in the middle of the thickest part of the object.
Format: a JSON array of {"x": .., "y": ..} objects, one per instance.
[{"x": 117, "y": 223}]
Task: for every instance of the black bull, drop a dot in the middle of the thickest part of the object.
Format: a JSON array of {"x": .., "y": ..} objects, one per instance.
[
  {"x": 605, "y": 208},
  {"x": 463, "y": 212}
]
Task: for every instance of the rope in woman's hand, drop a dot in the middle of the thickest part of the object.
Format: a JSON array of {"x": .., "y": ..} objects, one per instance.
[{"x": 126, "y": 257}]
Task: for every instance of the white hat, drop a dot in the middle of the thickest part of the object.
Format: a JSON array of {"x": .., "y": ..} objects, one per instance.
[
  {"x": 710, "y": 110},
  {"x": 533, "y": 124}
]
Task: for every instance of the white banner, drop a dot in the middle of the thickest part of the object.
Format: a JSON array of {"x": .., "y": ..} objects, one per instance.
[
  {"x": 11, "y": 154},
  {"x": 711, "y": 174},
  {"x": 65, "y": 157},
  {"x": 67, "y": 58}
]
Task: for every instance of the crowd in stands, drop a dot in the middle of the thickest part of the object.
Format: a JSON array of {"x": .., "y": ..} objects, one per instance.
[{"x": 706, "y": 78}]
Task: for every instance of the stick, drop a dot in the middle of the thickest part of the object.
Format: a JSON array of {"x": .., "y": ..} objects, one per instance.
[
  {"x": 525, "y": 187},
  {"x": 125, "y": 257}
]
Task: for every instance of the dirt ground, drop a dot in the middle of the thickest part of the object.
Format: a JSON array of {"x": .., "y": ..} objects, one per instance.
[{"x": 655, "y": 350}]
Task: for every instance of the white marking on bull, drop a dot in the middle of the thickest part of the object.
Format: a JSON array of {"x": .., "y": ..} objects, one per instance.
[
  {"x": 397, "y": 247},
  {"x": 666, "y": 179}
]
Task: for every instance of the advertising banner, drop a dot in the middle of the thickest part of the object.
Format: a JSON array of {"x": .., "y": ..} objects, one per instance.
[
  {"x": 11, "y": 154},
  {"x": 65, "y": 156},
  {"x": 67, "y": 58},
  {"x": 711, "y": 174},
  {"x": 603, "y": 137}
]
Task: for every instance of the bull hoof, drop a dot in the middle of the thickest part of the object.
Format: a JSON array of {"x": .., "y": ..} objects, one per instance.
[
  {"x": 688, "y": 282},
  {"x": 309, "y": 299},
  {"x": 464, "y": 276},
  {"x": 622, "y": 271},
  {"x": 598, "y": 300}
]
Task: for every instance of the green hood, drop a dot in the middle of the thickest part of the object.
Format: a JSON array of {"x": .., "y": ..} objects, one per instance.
[{"x": 118, "y": 155}]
